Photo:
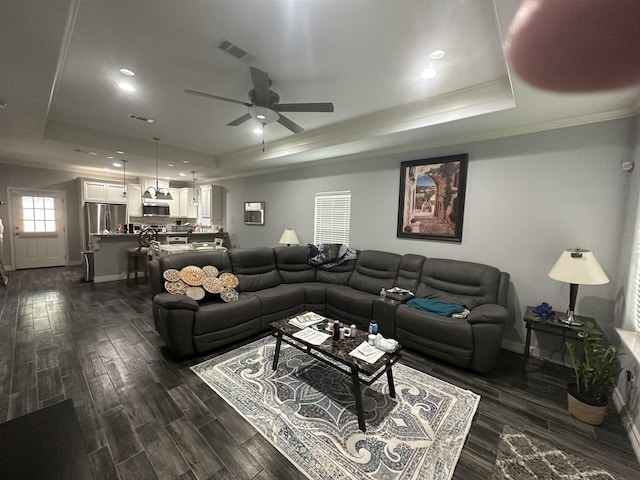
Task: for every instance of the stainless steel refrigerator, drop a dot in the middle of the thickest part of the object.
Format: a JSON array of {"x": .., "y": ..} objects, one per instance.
[{"x": 99, "y": 217}]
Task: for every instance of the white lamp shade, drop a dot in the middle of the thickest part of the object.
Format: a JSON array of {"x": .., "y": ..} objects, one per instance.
[
  {"x": 289, "y": 237},
  {"x": 580, "y": 267}
]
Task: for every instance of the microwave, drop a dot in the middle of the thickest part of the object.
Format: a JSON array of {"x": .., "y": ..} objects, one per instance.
[{"x": 155, "y": 209}]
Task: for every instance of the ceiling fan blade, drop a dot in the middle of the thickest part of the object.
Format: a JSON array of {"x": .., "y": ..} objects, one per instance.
[
  {"x": 239, "y": 120},
  {"x": 294, "y": 127},
  {"x": 216, "y": 97},
  {"x": 261, "y": 86},
  {"x": 303, "y": 107}
]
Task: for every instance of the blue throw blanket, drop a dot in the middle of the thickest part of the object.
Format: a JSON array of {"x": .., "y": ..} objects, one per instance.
[
  {"x": 329, "y": 255},
  {"x": 433, "y": 306}
]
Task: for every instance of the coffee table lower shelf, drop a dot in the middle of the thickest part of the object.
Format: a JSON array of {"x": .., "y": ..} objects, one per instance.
[{"x": 349, "y": 367}]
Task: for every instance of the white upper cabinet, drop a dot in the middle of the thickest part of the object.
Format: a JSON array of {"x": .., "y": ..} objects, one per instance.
[
  {"x": 134, "y": 193},
  {"x": 94, "y": 191},
  {"x": 205, "y": 202},
  {"x": 102, "y": 192},
  {"x": 114, "y": 193}
]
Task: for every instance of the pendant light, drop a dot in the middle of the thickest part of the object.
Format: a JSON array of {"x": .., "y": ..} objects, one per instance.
[
  {"x": 124, "y": 178},
  {"x": 194, "y": 200},
  {"x": 159, "y": 193}
]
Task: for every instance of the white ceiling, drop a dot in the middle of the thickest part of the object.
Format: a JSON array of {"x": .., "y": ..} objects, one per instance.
[{"x": 60, "y": 64}]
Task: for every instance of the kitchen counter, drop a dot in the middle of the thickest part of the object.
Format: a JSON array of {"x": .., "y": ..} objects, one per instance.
[{"x": 110, "y": 251}]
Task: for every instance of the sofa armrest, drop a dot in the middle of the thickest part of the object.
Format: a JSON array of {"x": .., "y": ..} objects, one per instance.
[
  {"x": 488, "y": 313},
  {"x": 174, "y": 317},
  {"x": 170, "y": 301}
]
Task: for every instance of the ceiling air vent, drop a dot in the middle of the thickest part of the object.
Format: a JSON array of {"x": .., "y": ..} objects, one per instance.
[
  {"x": 142, "y": 119},
  {"x": 232, "y": 49}
]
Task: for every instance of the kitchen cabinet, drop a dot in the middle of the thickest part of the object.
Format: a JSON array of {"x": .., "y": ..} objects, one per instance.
[
  {"x": 205, "y": 202},
  {"x": 212, "y": 205},
  {"x": 174, "y": 205},
  {"x": 151, "y": 182},
  {"x": 187, "y": 208},
  {"x": 114, "y": 193},
  {"x": 134, "y": 193},
  {"x": 102, "y": 192}
]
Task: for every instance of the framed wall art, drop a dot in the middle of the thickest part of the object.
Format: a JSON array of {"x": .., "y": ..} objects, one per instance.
[{"x": 431, "y": 203}]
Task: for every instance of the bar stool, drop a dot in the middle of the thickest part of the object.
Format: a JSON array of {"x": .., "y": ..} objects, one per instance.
[
  {"x": 137, "y": 261},
  {"x": 138, "y": 258}
]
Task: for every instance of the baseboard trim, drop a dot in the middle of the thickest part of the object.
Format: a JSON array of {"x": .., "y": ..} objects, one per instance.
[
  {"x": 110, "y": 278},
  {"x": 512, "y": 346},
  {"x": 627, "y": 421}
]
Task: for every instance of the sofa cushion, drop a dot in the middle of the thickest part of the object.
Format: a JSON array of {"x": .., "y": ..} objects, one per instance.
[
  {"x": 292, "y": 264},
  {"x": 349, "y": 304},
  {"x": 409, "y": 271},
  {"x": 214, "y": 316},
  {"x": 280, "y": 298},
  {"x": 375, "y": 270},
  {"x": 445, "y": 330},
  {"x": 338, "y": 275},
  {"x": 454, "y": 281},
  {"x": 255, "y": 268}
]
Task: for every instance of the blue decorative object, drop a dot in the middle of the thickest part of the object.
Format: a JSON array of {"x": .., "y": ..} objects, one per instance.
[{"x": 544, "y": 311}]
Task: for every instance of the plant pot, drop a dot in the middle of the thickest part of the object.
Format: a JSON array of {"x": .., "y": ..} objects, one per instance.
[{"x": 582, "y": 409}]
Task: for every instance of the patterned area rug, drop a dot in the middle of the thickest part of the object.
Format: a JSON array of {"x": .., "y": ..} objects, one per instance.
[
  {"x": 307, "y": 411},
  {"x": 524, "y": 458}
]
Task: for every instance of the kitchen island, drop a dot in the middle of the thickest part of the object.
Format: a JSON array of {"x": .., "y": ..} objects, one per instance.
[{"x": 110, "y": 250}]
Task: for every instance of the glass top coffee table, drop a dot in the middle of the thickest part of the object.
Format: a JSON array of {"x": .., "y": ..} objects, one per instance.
[{"x": 335, "y": 353}]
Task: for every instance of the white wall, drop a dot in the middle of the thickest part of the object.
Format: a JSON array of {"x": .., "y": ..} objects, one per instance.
[
  {"x": 528, "y": 198},
  {"x": 43, "y": 179}
]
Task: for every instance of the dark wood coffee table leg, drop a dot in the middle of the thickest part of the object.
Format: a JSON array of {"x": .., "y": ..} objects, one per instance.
[
  {"x": 392, "y": 388},
  {"x": 358, "y": 396},
  {"x": 276, "y": 354}
]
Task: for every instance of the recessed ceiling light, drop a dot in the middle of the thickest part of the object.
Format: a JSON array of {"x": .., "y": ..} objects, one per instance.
[
  {"x": 110, "y": 157},
  {"x": 93, "y": 153},
  {"x": 116, "y": 164},
  {"x": 436, "y": 54},
  {"x": 127, "y": 87},
  {"x": 260, "y": 116},
  {"x": 257, "y": 130},
  {"x": 428, "y": 73},
  {"x": 185, "y": 161},
  {"x": 170, "y": 165},
  {"x": 182, "y": 174},
  {"x": 119, "y": 152},
  {"x": 126, "y": 71}
]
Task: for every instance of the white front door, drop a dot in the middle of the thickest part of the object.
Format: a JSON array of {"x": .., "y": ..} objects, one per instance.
[{"x": 38, "y": 225}]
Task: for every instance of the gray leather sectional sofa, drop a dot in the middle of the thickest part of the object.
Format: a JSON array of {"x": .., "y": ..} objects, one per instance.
[{"x": 278, "y": 282}]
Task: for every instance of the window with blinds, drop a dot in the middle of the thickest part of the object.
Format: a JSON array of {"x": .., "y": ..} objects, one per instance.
[{"x": 332, "y": 217}]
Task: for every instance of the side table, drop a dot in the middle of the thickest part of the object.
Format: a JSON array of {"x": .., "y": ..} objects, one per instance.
[{"x": 552, "y": 327}]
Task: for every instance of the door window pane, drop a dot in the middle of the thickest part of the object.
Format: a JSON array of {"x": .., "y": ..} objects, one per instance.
[{"x": 38, "y": 214}]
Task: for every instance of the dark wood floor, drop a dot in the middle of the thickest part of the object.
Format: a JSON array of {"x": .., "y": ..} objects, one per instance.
[{"x": 146, "y": 416}]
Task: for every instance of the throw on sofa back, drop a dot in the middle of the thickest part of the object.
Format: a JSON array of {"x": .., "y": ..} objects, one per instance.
[
  {"x": 255, "y": 268},
  {"x": 375, "y": 270},
  {"x": 453, "y": 281},
  {"x": 293, "y": 265}
]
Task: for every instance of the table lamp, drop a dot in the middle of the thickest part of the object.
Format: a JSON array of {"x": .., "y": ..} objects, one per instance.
[
  {"x": 289, "y": 238},
  {"x": 577, "y": 266}
]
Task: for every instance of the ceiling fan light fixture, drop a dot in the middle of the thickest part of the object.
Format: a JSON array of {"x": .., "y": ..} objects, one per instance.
[{"x": 263, "y": 115}]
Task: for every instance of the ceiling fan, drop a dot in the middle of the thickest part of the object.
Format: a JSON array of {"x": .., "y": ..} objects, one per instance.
[{"x": 264, "y": 106}]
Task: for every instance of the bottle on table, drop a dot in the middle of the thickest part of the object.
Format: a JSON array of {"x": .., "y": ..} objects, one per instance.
[
  {"x": 336, "y": 330},
  {"x": 373, "y": 327},
  {"x": 383, "y": 294}
]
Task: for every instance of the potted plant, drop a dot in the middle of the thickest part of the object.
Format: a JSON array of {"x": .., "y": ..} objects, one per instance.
[{"x": 596, "y": 369}]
